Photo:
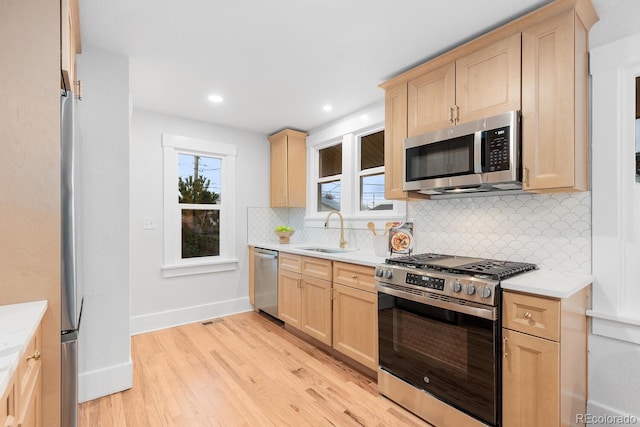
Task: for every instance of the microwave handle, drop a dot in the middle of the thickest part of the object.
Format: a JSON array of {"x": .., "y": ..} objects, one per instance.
[{"x": 477, "y": 151}]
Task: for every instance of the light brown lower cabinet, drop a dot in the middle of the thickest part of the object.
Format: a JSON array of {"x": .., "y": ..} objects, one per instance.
[
  {"x": 530, "y": 381},
  {"x": 544, "y": 364},
  {"x": 316, "y": 309},
  {"x": 333, "y": 302},
  {"x": 8, "y": 405},
  {"x": 355, "y": 324},
  {"x": 21, "y": 402},
  {"x": 304, "y": 300}
]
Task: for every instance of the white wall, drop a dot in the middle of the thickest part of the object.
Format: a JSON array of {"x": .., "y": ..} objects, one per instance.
[
  {"x": 614, "y": 344},
  {"x": 102, "y": 204},
  {"x": 158, "y": 302}
]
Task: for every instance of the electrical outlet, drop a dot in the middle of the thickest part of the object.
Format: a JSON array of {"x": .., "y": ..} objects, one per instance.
[{"x": 149, "y": 223}]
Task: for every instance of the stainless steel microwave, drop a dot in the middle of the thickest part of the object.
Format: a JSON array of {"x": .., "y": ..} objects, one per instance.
[{"x": 474, "y": 157}]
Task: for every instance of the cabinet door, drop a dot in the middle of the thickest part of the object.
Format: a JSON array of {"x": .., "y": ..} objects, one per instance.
[
  {"x": 395, "y": 132},
  {"x": 31, "y": 407},
  {"x": 297, "y": 166},
  {"x": 316, "y": 308},
  {"x": 430, "y": 100},
  {"x": 289, "y": 297},
  {"x": 8, "y": 404},
  {"x": 530, "y": 381},
  {"x": 279, "y": 193},
  {"x": 554, "y": 116},
  {"x": 488, "y": 80},
  {"x": 355, "y": 324}
]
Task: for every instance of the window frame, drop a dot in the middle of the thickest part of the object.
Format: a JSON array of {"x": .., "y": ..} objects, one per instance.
[
  {"x": 348, "y": 132},
  {"x": 173, "y": 263}
]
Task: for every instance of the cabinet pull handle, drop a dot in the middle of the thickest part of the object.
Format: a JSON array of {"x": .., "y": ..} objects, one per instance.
[
  {"x": 354, "y": 276},
  {"x": 35, "y": 356},
  {"x": 525, "y": 178},
  {"x": 527, "y": 315},
  {"x": 451, "y": 114},
  {"x": 457, "y": 114},
  {"x": 504, "y": 348}
]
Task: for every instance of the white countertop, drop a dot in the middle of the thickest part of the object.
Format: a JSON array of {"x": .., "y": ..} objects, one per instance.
[
  {"x": 539, "y": 282},
  {"x": 354, "y": 256},
  {"x": 548, "y": 283},
  {"x": 18, "y": 323}
]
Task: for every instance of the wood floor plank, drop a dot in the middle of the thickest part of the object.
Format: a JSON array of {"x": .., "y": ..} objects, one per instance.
[{"x": 242, "y": 370}]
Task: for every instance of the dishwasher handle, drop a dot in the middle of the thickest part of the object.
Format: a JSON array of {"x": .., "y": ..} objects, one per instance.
[{"x": 265, "y": 253}]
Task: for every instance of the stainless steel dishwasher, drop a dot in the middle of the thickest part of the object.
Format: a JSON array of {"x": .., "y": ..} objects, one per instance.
[{"x": 265, "y": 269}]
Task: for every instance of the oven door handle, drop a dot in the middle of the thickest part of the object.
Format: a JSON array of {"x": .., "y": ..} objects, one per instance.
[{"x": 485, "y": 313}]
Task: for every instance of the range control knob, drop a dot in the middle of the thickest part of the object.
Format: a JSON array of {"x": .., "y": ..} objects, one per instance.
[
  {"x": 470, "y": 289},
  {"x": 388, "y": 274},
  {"x": 379, "y": 272},
  {"x": 456, "y": 286},
  {"x": 485, "y": 292}
]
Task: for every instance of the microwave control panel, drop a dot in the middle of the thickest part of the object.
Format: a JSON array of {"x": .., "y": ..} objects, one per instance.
[{"x": 496, "y": 150}]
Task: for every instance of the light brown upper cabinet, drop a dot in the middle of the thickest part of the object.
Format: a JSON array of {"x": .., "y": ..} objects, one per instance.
[
  {"x": 536, "y": 64},
  {"x": 288, "y": 169},
  {"x": 70, "y": 43},
  {"x": 555, "y": 140},
  {"x": 481, "y": 84}
]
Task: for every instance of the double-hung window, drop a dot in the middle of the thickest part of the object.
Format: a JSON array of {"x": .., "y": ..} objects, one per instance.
[
  {"x": 199, "y": 206},
  {"x": 346, "y": 172}
]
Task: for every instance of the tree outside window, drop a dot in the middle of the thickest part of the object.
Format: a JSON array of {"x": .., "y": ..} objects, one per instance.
[{"x": 198, "y": 180}]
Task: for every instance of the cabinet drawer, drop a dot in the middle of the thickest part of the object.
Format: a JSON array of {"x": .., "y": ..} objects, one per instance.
[
  {"x": 532, "y": 315},
  {"x": 357, "y": 276},
  {"x": 316, "y": 267},
  {"x": 290, "y": 262}
]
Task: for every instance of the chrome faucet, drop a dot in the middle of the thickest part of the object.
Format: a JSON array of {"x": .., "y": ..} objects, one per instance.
[{"x": 343, "y": 243}]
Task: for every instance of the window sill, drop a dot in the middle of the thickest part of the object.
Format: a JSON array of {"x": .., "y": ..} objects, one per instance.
[
  {"x": 614, "y": 326},
  {"x": 199, "y": 267}
]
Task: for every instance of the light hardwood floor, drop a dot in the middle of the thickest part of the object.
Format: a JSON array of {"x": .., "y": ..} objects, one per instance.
[{"x": 242, "y": 370}]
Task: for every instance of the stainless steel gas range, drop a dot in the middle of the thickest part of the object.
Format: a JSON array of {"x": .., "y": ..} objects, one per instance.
[{"x": 439, "y": 336}]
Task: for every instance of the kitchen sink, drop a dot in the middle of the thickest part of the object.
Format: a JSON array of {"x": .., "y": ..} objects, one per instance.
[{"x": 327, "y": 250}]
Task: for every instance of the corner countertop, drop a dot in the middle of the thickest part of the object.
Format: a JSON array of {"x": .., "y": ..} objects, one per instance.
[
  {"x": 353, "y": 256},
  {"x": 548, "y": 283},
  {"x": 18, "y": 323}
]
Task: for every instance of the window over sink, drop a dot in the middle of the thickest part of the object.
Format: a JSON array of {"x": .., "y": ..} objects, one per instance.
[
  {"x": 346, "y": 172},
  {"x": 199, "y": 206}
]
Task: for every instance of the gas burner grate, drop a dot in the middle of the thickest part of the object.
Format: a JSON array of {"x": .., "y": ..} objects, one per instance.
[
  {"x": 495, "y": 269},
  {"x": 486, "y": 268}
]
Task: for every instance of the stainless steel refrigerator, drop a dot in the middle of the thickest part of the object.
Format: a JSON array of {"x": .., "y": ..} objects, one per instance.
[{"x": 71, "y": 292}]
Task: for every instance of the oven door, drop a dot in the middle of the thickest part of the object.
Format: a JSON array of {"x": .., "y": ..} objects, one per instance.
[{"x": 453, "y": 356}]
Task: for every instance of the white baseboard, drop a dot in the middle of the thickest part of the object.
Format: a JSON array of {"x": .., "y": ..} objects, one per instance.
[
  {"x": 167, "y": 319},
  {"x": 101, "y": 382},
  {"x": 602, "y": 415}
]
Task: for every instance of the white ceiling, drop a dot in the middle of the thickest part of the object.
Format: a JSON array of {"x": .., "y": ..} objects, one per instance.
[{"x": 278, "y": 62}]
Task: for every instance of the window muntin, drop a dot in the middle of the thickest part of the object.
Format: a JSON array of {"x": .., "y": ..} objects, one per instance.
[
  {"x": 372, "y": 193},
  {"x": 329, "y": 181},
  {"x": 198, "y": 180},
  {"x": 329, "y": 194},
  {"x": 371, "y": 173},
  {"x": 330, "y": 161}
]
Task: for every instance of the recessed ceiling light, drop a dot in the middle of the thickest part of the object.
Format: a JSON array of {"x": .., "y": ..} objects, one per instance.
[
  {"x": 216, "y": 98},
  {"x": 327, "y": 108}
]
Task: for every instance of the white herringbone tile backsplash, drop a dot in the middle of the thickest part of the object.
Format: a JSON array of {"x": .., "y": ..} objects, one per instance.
[{"x": 550, "y": 230}]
